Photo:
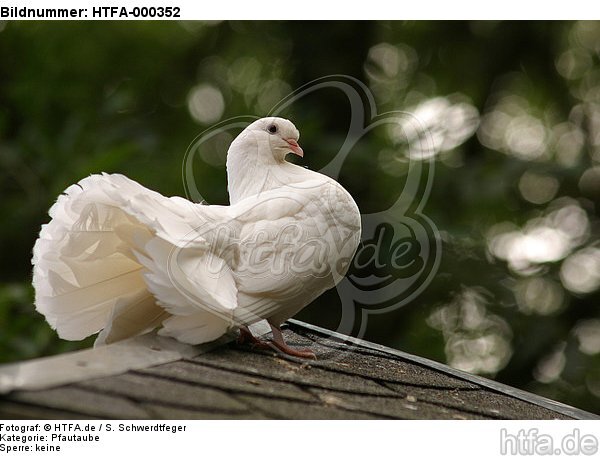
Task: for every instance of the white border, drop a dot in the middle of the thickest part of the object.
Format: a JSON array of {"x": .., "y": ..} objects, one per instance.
[{"x": 328, "y": 10}]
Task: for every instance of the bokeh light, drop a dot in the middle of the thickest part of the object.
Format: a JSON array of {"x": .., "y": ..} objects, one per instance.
[
  {"x": 543, "y": 239},
  {"x": 538, "y": 188},
  {"x": 550, "y": 368},
  {"x": 580, "y": 272},
  {"x": 476, "y": 340},
  {"x": 206, "y": 104},
  {"x": 588, "y": 336},
  {"x": 538, "y": 295}
]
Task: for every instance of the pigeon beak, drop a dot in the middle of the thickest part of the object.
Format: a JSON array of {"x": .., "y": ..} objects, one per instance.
[{"x": 295, "y": 147}]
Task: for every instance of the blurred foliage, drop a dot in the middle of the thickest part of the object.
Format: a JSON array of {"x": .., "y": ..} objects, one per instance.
[{"x": 515, "y": 114}]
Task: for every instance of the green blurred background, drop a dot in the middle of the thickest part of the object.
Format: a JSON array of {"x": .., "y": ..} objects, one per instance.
[{"x": 514, "y": 111}]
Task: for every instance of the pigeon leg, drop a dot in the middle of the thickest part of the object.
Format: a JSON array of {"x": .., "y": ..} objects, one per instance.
[
  {"x": 246, "y": 337},
  {"x": 280, "y": 344}
]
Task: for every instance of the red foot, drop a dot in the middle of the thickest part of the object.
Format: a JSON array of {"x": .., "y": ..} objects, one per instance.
[
  {"x": 277, "y": 344},
  {"x": 247, "y": 338},
  {"x": 305, "y": 353}
]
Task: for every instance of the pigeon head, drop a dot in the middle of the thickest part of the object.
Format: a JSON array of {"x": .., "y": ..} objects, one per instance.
[
  {"x": 280, "y": 134},
  {"x": 256, "y": 157}
]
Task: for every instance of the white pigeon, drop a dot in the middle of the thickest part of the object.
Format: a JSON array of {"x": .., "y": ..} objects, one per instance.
[{"x": 120, "y": 260}]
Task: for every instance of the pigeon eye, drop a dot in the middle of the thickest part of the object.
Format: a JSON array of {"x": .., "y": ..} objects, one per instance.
[{"x": 272, "y": 129}]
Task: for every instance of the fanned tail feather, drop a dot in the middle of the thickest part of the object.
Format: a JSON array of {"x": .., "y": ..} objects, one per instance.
[{"x": 105, "y": 264}]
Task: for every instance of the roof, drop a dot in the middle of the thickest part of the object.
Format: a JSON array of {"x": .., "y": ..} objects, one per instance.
[{"x": 153, "y": 378}]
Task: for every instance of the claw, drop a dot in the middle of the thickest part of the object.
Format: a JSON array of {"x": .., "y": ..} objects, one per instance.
[{"x": 277, "y": 344}]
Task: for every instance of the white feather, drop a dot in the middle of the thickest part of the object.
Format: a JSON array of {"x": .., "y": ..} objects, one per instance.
[{"x": 120, "y": 259}]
